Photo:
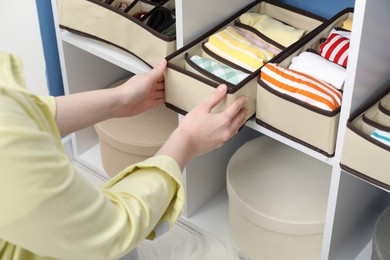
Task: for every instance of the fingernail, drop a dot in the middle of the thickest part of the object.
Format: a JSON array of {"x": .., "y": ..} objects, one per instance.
[
  {"x": 222, "y": 88},
  {"x": 162, "y": 61}
]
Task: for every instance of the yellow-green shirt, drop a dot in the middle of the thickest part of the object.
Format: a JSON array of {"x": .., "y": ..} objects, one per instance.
[{"x": 49, "y": 211}]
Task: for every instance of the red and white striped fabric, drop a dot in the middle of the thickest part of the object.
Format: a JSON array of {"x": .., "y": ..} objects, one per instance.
[
  {"x": 301, "y": 86},
  {"x": 335, "y": 49}
]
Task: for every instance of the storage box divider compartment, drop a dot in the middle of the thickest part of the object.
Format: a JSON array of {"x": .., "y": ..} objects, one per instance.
[
  {"x": 186, "y": 87},
  {"x": 106, "y": 23},
  {"x": 363, "y": 155},
  {"x": 297, "y": 120}
]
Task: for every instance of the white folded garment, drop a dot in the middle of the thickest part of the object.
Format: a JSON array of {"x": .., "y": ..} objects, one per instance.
[
  {"x": 317, "y": 66},
  {"x": 346, "y": 34},
  {"x": 381, "y": 136}
]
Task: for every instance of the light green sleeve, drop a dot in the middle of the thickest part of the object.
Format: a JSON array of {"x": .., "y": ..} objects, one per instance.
[
  {"x": 51, "y": 210},
  {"x": 51, "y": 104}
]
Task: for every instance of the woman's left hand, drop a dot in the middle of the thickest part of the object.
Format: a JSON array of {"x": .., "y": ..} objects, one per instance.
[{"x": 141, "y": 92}]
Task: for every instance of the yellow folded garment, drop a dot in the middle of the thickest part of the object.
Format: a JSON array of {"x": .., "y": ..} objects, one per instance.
[
  {"x": 347, "y": 24},
  {"x": 237, "y": 49},
  {"x": 273, "y": 29}
]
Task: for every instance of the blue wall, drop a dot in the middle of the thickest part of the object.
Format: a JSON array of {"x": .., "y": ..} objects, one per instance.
[
  {"x": 324, "y": 8},
  {"x": 50, "y": 50}
]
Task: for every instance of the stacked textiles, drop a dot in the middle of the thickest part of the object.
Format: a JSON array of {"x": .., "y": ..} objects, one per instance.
[
  {"x": 248, "y": 47},
  {"x": 273, "y": 29},
  {"x": 315, "y": 78},
  {"x": 381, "y": 136},
  {"x": 237, "y": 53},
  {"x": 301, "y": 86},
  {"x": 253, "y": 40},
  {"x": 152, "y": 13}
]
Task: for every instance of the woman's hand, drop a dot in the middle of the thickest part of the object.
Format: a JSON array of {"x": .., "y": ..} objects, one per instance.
[
  {"x": 138, "y": 94},
  {"x": 202, "y": 131},
  {"x": 141, "y": 92}
]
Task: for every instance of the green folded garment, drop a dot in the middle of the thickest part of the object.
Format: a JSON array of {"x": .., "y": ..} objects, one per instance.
[{"x": 224, "y": 72}]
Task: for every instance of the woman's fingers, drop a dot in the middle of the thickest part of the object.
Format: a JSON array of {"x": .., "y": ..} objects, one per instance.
[
  {"x": 232, "y": 110},
  {"x": 215, "y": 98}
]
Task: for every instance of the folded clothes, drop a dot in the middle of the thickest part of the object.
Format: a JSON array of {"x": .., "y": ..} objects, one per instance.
[
  {"x": 301, "y": 86},
  {"x": 254, "y": 39},
  {"x": 220, "y": 70},
  {"x": 336, "y": 48},
  {"x": 347, "y": 24},
  {"x": 346, "y": 34},
  {"x": 160, "y": 18},
  {"x": 235, "y": 48},
  {"x": 123, "y": 5},
  {"x": 381, "y": 136},
  {"x": 319, "y": 67},
  {"x": 273, "y": 29}
]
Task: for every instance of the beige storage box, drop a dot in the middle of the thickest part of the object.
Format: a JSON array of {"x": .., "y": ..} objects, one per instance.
[
  {"x": 366, "y": 149},
  {"x": 300, "y": 121},
  {"x": 381, "y": 237},
  {"x": 187, "y": 84},
  {"x": 115, "y": 22},
  {"x": 277, "y": 201},
  {"x": 125, "y": 141}
]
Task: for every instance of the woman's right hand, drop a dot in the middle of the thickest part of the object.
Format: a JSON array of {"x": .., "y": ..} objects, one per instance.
[{"x": 201, "y": 131}]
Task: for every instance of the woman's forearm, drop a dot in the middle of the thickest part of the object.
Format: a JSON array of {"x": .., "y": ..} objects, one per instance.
[
  {"x": 80, "y": 110},
  {"x": 136, "y": 95}
]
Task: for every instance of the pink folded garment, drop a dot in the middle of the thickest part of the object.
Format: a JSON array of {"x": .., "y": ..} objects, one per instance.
[{"x": 254, "y": 39}]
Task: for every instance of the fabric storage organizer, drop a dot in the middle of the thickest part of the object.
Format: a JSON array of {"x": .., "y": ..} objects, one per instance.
[
  {"x": 291, "y": 115},
  {"x": 366, "y": 149},
  {"x": 186, "y": 84},
  {"x": 131, "y": 25},
  {"x": 277, "y": 207},
  {"x": 125, "y": 141}
]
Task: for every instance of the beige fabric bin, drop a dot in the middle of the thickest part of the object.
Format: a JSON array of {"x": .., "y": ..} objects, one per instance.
[
  {"x": 125, "y": 141},
  {"x": 102, "y": 21},
  {"x": 186, "y": 87},
  {"x": 305, "y": 124},
  {"x": 277, "y": 201},
  {"x": 362, "y": 155}
]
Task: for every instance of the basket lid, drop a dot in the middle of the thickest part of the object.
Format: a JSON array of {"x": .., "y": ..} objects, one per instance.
[
  {"x": 142, "y": 134},
  {"x": 279, "y": 188}
]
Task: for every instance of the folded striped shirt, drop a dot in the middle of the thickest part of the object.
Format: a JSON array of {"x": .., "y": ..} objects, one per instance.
[
  {"x": 336, "y": 48},
  {"x": 235, "y": 48},
  {"x": 220, "y": 70},
  {"x": 301, "y": 86},
  {"x": 381, "y": 136}
]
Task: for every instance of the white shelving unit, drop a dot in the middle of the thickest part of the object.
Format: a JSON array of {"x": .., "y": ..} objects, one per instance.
[{"x": 353, "y": 204}]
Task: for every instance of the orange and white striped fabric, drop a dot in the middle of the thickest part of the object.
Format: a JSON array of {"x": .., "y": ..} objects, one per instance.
[{"x": 301, "y": 86}]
